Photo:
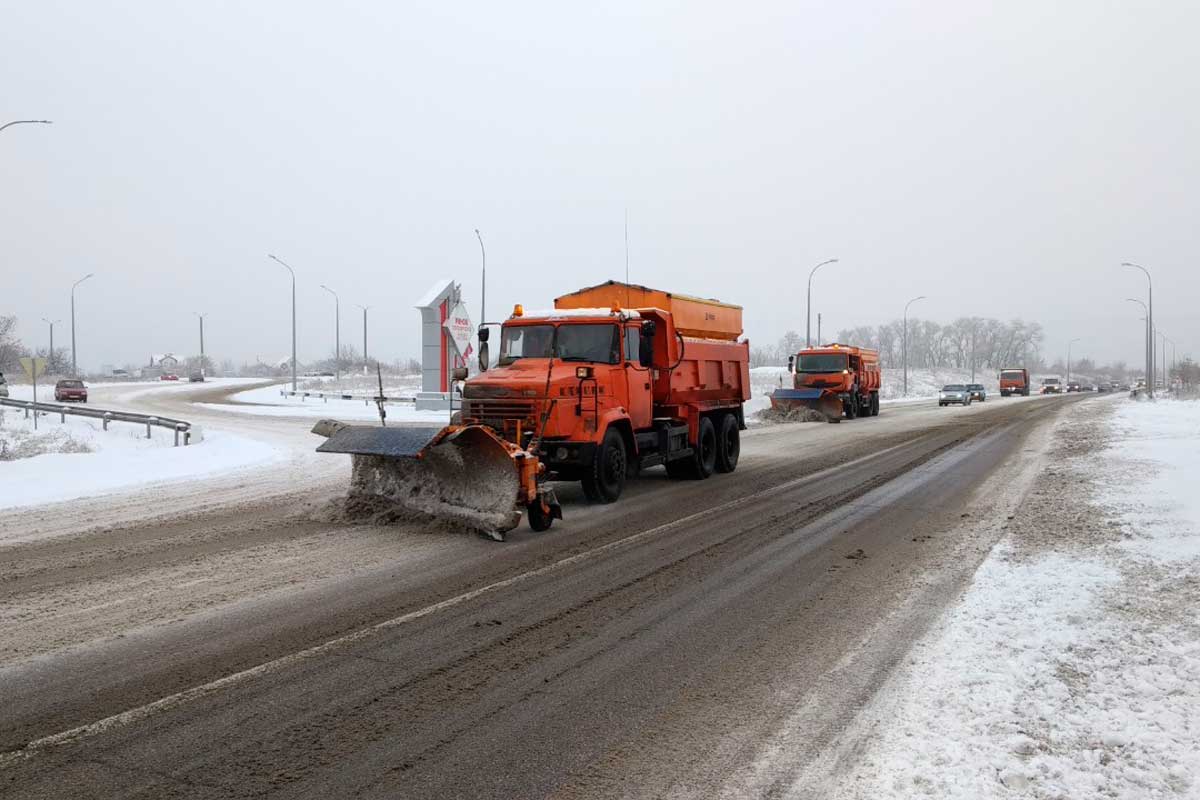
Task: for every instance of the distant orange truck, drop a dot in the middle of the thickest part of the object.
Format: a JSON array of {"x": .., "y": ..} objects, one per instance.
[
  {"x": 1014, "y": 380},
  {"x": 835, "y": 379}
]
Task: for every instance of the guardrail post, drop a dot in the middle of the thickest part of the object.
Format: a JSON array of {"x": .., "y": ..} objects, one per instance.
[
  {"x": 62, "y": 415},
  {"x": 187, "y": 437},
  {"x": 26, "y": 412},
  {"x": 107, "y": 417},
  {"x": 149, "y": 422}
]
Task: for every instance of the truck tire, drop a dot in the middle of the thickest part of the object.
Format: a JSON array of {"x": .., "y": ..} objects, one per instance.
[
  {"x": 851, "y": 407},
  {"x": 539, "y": 520},
  {"x": 729, "y": 444},
  {"x": 605, "y": 478},
  {"x": 874, "y": 404}
]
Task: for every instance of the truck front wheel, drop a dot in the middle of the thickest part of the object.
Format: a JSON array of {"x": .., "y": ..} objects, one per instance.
[
  {"x": 605, "y": 479},
  {"x": 729, "y": 444}
]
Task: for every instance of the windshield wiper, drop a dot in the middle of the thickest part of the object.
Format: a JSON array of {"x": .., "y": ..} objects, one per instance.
[{"x": 577, "y": 358}]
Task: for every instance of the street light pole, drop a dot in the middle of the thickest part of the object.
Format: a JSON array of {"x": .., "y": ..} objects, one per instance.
[
  {"x": 905, "y": 340},
  {"x": 26, "y": 122},
  {"x": 1145, "y": 335},
  {"x": 293, "y": 273},
  {"x": 808, "y": 311},
  {"x": 1149, "y": 320},
  {"x": 364, "y": 310},
  {"x": 201, "y": 316},
  {"x": 74, "y": 367},
  {"x": 1073, "y": 341},
  {"x": 51, "y": 324},
  {"x": 337, "y": 334},
  {"x": 482, "y": 280}
]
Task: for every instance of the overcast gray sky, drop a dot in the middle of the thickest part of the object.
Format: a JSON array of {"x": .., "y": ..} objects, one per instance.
[{"x": 1001, "y": 158}]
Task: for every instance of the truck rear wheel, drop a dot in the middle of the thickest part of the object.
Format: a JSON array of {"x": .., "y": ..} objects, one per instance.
[
  {"x": 605, "y": 478},
  {"x": 729, "y": 444},
  {"x": 874, "y": 404}
]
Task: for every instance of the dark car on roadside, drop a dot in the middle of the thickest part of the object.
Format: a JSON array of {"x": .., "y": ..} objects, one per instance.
[
  {"x": 70, "y": 390},
  {"x": 196, "y": 377},
  {"x": 977, "y": 391},
  {"x": 3, "y": 386}
]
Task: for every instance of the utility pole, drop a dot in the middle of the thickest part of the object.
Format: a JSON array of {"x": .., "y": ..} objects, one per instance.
[
  {"x": 201, "y": 316},
  {"x": 293, "y": 274},
  {"x": 482, "y": 280},
  {"x": 1146, "y": 335},
  {"x": 1149, "y": 321},
  {"x": 337, "y": 334},
  {"x": 364, "y": 310},
  {"x": 904, "y": 338},
  {"x": 818, "y": 329},
  {"x": 1073, "y": 341},
  {"x": 52, "y": 363},
  {"x": 74, "y": 367},
  {"x": 974, "y": 328},
  {"x": 808, "y": 311}
]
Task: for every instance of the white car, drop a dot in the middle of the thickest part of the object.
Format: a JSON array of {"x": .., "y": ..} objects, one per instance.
[{"x": 954, "y": 393}]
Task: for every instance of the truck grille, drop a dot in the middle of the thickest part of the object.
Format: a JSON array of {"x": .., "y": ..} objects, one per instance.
[{"x": 497, "y": 410}]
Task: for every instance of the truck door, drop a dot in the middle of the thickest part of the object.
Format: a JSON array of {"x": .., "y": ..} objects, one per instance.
[{"x": 638, "y": 378}]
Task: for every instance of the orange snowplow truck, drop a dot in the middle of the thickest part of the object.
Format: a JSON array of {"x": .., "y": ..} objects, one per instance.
[
  {"x": 615, "y": 379},
  {"x": 835, "y": 379}
]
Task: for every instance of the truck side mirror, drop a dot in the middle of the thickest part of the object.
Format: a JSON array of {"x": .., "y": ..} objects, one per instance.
[
  {"x": 459, "y": 374},
  {"x": 791, "y": 363},
  {"x": 646, "y": 345},
  {"x": 483, "y": 333},
  {"x": 483, "y": 352}
]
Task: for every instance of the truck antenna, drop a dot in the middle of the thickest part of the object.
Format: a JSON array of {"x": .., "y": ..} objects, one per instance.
[{"x": 626, "y": 256}]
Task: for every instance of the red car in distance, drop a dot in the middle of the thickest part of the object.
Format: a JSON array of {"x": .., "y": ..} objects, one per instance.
[
  {"x": 70, "y": 390},
  {"x": 170, "y": 376}
]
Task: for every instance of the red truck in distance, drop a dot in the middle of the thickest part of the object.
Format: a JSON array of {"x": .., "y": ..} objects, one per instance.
[{"x": 1014, "y": 380}]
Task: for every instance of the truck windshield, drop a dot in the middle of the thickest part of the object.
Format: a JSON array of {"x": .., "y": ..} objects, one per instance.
[
  {"x": 1051, "y": 381},
  {"x": 526, "y": 341},
  {"x": 821, "y": 362},
  {"x": 598, "y": 342},
  {"x": 1012, "y": 375}
]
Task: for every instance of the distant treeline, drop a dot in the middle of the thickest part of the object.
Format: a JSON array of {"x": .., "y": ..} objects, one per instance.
[{"x": 991, "y": 343}]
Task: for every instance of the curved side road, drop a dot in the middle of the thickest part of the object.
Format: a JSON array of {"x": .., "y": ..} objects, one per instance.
[{"x": 640, "y": 645}]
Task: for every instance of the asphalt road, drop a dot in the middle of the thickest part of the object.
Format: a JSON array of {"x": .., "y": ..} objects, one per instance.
[{"x": 643, "y": 648}]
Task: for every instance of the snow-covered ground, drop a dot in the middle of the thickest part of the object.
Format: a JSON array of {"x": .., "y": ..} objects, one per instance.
[
  {"x": 1070, "y": 668},
  {"x": 269, "y": 401},
  {"x": 84, "y": 460}
]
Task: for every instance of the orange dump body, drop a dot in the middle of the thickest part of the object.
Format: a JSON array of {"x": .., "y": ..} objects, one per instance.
[{"x": 693, "y": 316}]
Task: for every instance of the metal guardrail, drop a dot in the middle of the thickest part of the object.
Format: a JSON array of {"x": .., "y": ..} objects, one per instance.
[
  {"x": 178, "y": 425},
  {"x": 366, "y": 398}
]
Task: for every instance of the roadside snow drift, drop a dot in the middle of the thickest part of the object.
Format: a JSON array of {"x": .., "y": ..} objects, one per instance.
[{"x": 1071, "y": 666}]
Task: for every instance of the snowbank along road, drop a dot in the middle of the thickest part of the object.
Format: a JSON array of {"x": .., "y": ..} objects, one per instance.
[{"x": 252, "y": 642}]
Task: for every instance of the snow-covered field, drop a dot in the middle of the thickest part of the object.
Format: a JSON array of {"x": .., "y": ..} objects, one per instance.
[
  {"x": 270, "y": 402},
  {"x": 84, "y": 460},
  {"x": 1071, "y": 666}
]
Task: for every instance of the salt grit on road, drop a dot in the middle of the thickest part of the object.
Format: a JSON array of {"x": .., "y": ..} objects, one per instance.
[{"x": 1071, "y": 666}]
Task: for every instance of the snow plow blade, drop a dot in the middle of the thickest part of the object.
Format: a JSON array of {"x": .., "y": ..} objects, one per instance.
[
  {"x": 824, "y": 403},
  {"x": 463, "y": 474}
]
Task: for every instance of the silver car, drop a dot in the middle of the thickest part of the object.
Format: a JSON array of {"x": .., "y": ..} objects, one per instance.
[{"x": 954, "y": 393}]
